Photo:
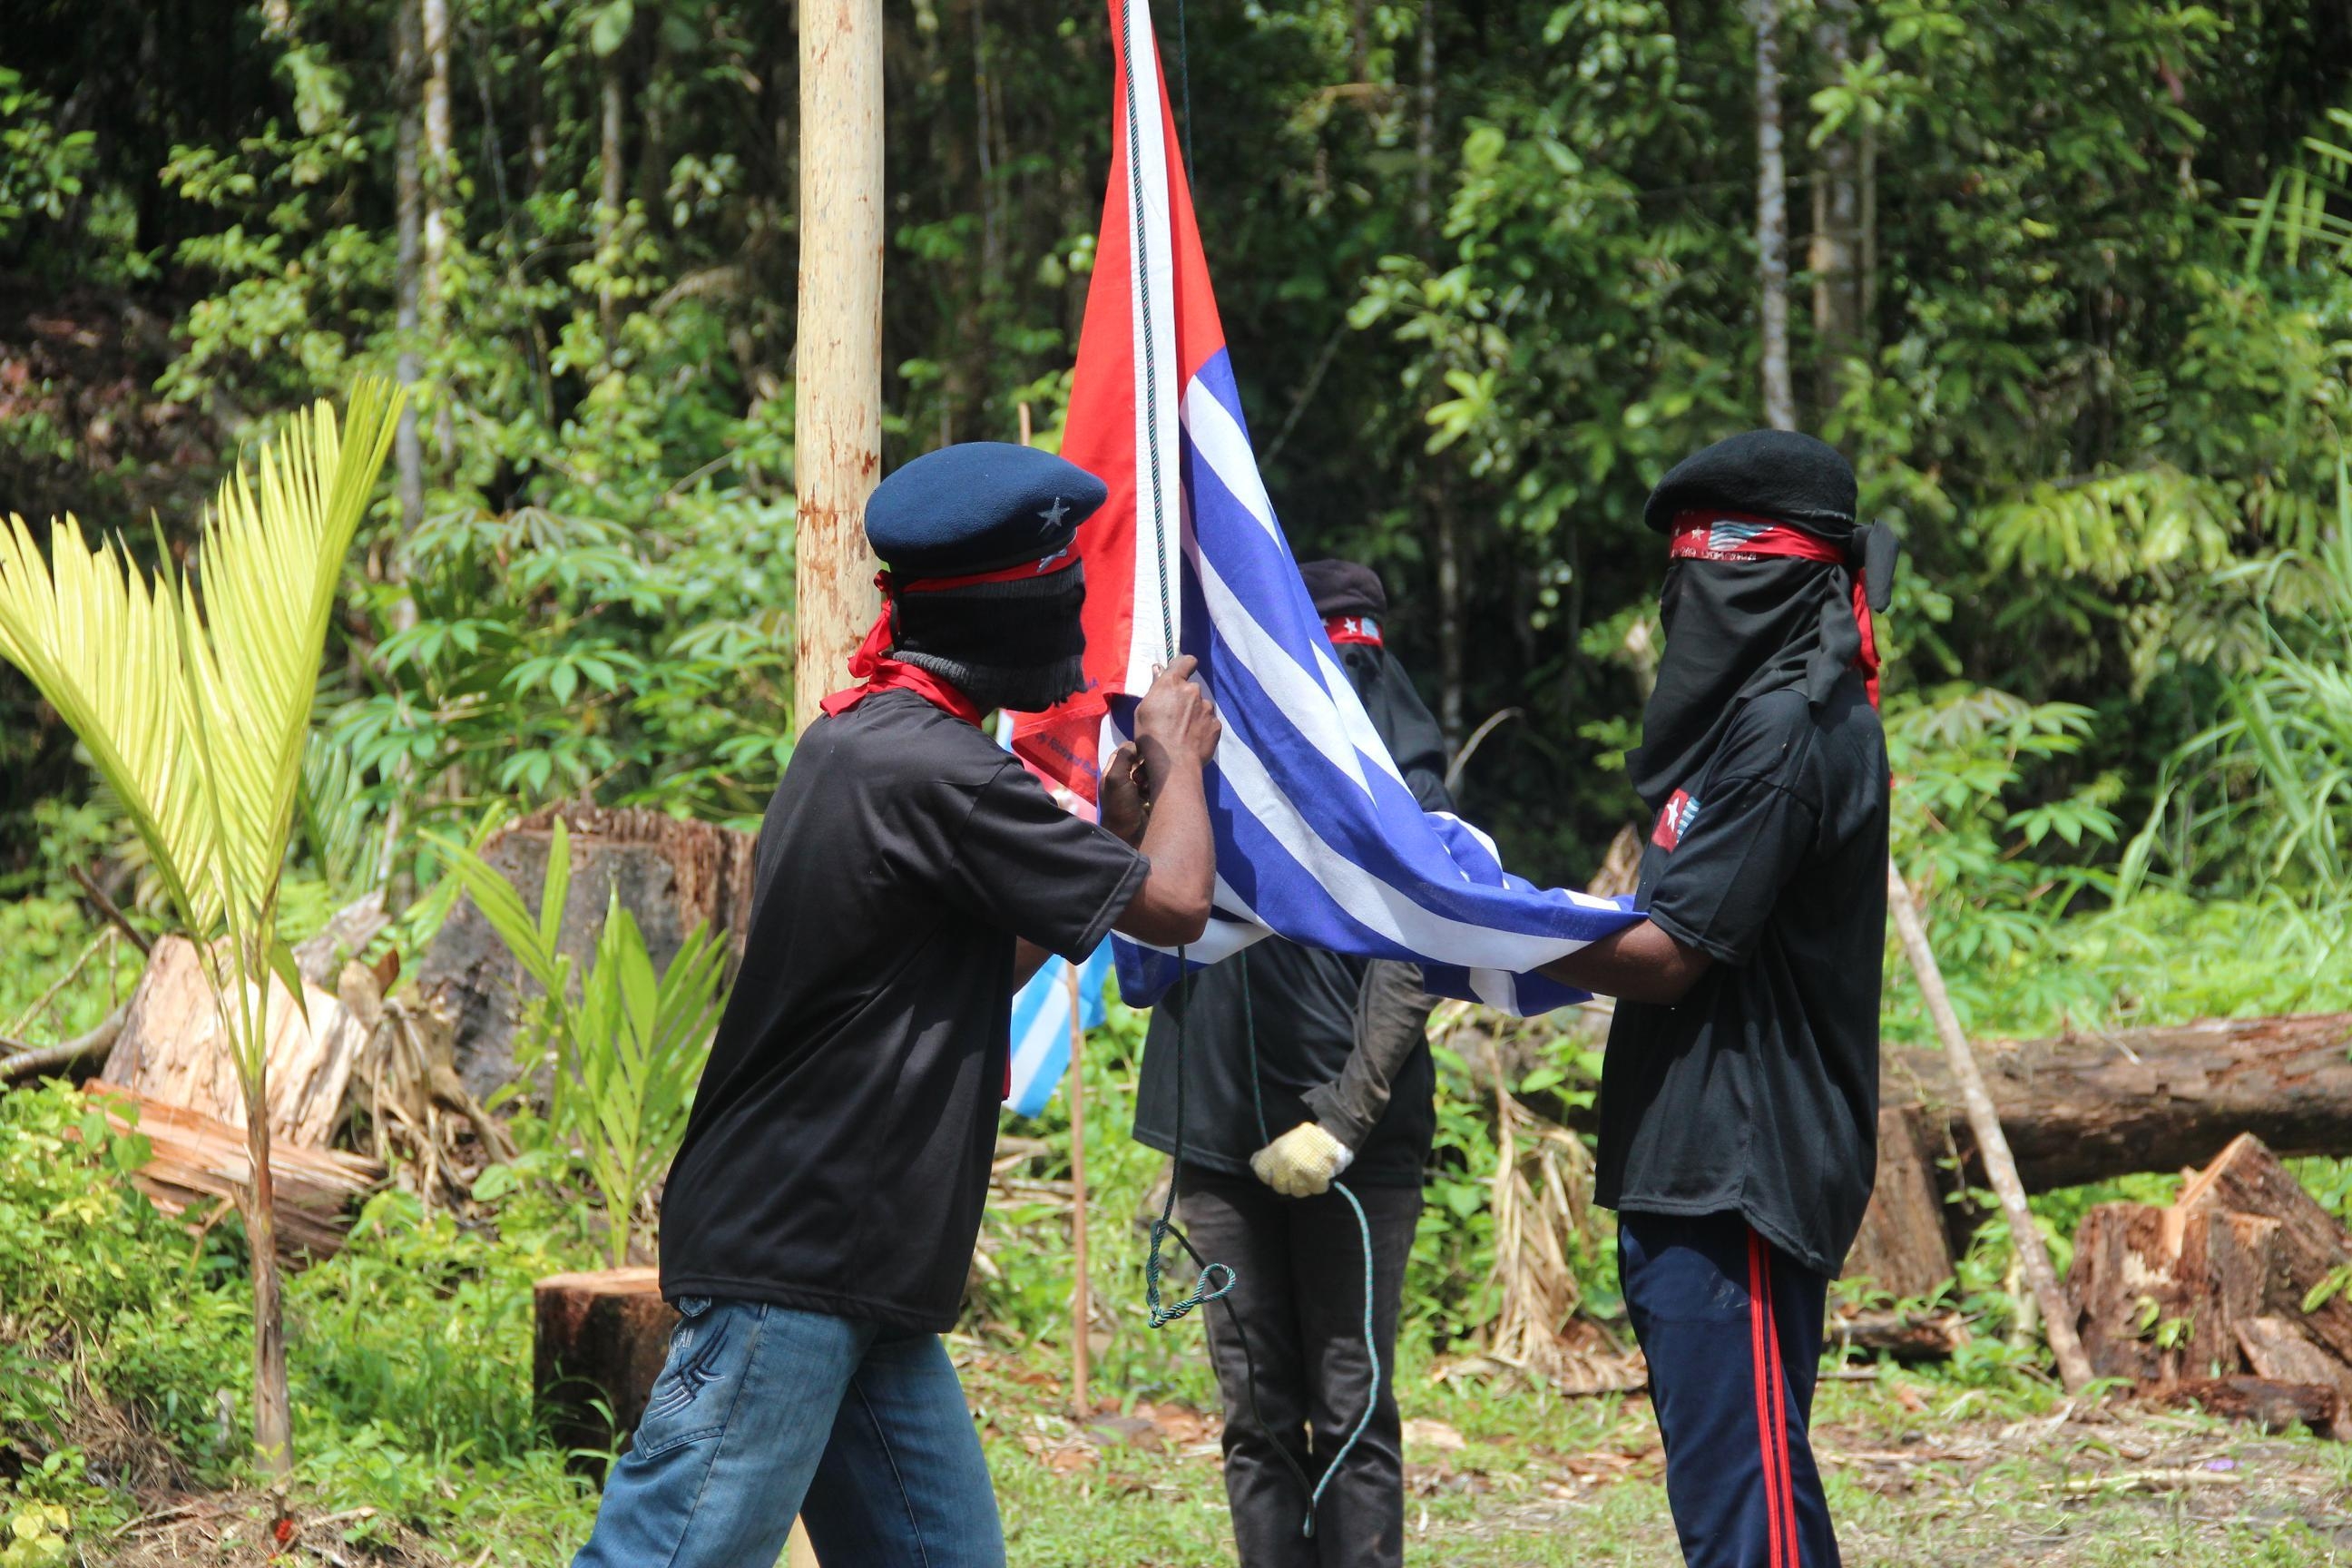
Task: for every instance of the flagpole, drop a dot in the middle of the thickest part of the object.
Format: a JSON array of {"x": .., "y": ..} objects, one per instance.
[{"x": 1082, "y": 1298}]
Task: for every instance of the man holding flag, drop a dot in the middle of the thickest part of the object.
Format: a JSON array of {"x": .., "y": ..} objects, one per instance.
[{"x": 819, "y": 1220}]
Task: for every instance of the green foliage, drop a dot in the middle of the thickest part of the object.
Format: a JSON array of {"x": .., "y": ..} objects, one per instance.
[{"x": 626, "y": 1051}]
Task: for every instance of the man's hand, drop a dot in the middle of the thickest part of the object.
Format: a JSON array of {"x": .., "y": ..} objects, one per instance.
[
  {"x": 1302, "y": 1162},
  {"x": 1175, "y": 722},
  {"x": 1124, "y": 808}
]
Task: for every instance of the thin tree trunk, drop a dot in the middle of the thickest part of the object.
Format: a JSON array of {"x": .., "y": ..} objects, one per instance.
[
  {"x": 2058, "y": 1314},
  {"x": 608, "y": 200},
  {"x": 1450, "y": 629},
  {"x": 1424, "y": 146},
  {"x": 408, "y": 452},
  {"x": 1836, "y": 258},
  {"x": 273, "y": 1421},
  {"x": 440, "y": 172},
  {"x": 1773, "y": 217}
]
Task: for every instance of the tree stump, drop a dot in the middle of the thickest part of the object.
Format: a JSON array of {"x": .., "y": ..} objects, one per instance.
[
  {"x": 2202, "y": 1302},
  {"x": 602, "y": 1339},
  {"x": 1903, "y": 1248},
  {"x": 671, "y": 876}
]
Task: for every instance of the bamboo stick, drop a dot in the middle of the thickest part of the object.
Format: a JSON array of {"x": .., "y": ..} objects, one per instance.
[
  {"x": 2057, "y": 1310},
  {"x": 1081, "y": 1302}
]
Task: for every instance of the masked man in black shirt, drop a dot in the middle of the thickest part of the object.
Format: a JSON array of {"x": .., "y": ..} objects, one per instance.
[
  {"x": 1739, "y": 1101},
  {"x": 1297, "y": 1066},
  {"x": 819, "y": 1220}
]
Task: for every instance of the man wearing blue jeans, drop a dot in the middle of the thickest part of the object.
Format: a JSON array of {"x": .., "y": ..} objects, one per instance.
[
  {"x": 819, "y": 1220},
  {"x": 1739, "y": 1098}
]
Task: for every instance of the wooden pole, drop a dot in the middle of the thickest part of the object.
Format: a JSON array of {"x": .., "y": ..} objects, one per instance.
[
  {"x": 838, "y": 357},
  {"x": 1082, "y": 1296},
  {"x": 2057, "y": 1310},
  {"x": 837, "y": 360}
]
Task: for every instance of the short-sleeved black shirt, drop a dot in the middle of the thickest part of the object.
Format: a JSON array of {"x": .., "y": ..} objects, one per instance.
[
  {"x": 838, "y": 1151},
  {"x": 1759, "y": 1094}
]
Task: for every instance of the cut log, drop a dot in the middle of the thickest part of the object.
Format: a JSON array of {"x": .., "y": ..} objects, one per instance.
[
  {"x": 2273, "y": 1406},
  {"x": 671, "y": 876},
  {"x": 2124, "y": 1288},
  {"x": 2087, "y": 1108},
  {"x": 2279, "y": 1350},
  {"x": 1903, "y": 1248},
  {"x": 601, "y": 1340},
  {"x": 199, "y": 1165},
  {"x": 171, "y": 1049},
  {"x": 2224, "y": 1259}
]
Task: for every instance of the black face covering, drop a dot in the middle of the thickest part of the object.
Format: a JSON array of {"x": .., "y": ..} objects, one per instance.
[{"x": 1019, "y": 645}]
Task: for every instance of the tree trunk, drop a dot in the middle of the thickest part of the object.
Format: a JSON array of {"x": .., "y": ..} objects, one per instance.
[
  {"x": 1905, "y": 1247},
  {"x": 273, "y": 1421},
  {"x": 408, "y": 452},
  {"x": 839, "y": 432},
  {"x": 440, "y": 171},
  {"x": 1835, "y": 252},
  {"x": 1772, "y": 218},
  {"x": 608, "y": 199},
  {"x": 2085, "y": 1108}
]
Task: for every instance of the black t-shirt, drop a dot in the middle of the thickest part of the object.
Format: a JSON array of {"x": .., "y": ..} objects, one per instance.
[
  {"x": 839, "y": 1153},
  {"x": 1759, "y": 1094},
  {"x": 1301, "y": 1001}
]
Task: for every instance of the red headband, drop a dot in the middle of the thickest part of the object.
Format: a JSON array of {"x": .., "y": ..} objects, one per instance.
[
  {"x": 1741, "y": 536},
  {"x": 876, "y": 670}
]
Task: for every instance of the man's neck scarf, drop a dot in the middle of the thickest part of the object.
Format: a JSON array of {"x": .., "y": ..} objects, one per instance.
[{"x": 1753, "y": 605}]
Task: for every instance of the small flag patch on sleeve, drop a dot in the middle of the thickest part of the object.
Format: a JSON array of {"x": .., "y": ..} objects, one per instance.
[{"x": 1674, "y": 821}]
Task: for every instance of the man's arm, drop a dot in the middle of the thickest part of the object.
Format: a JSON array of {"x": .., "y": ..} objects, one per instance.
[
  {"x": 1176, "y": 731},
  {"x": 1639, "y": 964},
  {"x": 1028, "y": 958},
  {"x": 1390, "y": 1022}
]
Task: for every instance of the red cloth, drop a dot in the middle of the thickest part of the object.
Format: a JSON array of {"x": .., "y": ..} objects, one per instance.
[
  {"x": 876, "y": 671},
  {"x": 1738, "y": 536}
]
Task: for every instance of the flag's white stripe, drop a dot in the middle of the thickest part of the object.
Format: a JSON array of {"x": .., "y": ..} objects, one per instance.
[
  {"x": 1301, "y": 702},
  {"x": 1154, "y": 348},
  {"x": 1362, "y": 895},
  {"x": 1221, "y": 442}
]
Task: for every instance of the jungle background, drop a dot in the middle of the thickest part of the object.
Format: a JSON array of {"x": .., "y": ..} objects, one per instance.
[{"x": 2070, "y": 282}]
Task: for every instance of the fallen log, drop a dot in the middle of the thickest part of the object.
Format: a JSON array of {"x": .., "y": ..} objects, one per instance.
[
  {"x": 1904, "y": 1336},
  {"x": 171, "y": 1049},
  {"x": 1906, "y": 1246},
  {"x": 198, "y": 1165},
  {"x": 2262, "y": 1402},
  {"x": 2084, "y": 1107}
]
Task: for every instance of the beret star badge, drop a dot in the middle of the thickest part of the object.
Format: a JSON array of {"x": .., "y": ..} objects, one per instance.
[{"x": 1053, "y": 515}]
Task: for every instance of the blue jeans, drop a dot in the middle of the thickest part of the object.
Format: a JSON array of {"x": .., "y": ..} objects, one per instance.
[{"x": 762, "y": 1413}]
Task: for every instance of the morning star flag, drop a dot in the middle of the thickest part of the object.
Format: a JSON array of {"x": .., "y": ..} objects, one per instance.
[
  {"x": 1318, "y": 837},
  {"x": 1041, "y": 1027}
]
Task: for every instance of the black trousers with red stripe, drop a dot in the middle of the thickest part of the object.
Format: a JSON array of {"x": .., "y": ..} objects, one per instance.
[{"x": 1732, "y": 1330}]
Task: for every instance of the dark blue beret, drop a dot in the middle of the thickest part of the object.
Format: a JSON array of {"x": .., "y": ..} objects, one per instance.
[
  {"x": 979, "y": 507},
  {"x": 1778, "y": 474}
]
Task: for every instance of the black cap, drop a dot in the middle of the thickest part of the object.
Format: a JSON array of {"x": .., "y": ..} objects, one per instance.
[
  {"x": 1344, "y": 588},
  {"x": 1778, "y": 474}
]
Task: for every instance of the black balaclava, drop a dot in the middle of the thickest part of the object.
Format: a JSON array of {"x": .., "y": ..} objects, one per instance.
[
  {"x": 1019, "y": 645},
  {"x": 1738, "y": 629},
  {"x": 1416, "y": 745}
]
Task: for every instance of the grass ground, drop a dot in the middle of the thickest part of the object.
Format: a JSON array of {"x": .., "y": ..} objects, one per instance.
[{"x": 1919, "y": 1471}]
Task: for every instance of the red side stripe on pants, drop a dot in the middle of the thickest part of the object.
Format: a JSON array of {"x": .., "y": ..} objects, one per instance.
[{"x": 1771, "y": 1408}]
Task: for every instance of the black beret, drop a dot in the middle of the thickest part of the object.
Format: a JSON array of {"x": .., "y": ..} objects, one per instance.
[
  {"x": 1777, "y": 474},
  {"x": 979, "y": 507},
  {"x": 1344, "y": 588}
]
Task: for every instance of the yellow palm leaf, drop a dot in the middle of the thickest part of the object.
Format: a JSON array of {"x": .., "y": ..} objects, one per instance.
[{"x": 192, "y": 695}]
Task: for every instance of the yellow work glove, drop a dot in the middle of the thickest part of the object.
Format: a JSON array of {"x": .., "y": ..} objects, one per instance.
[{"x": 1302, "y": 1162}]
